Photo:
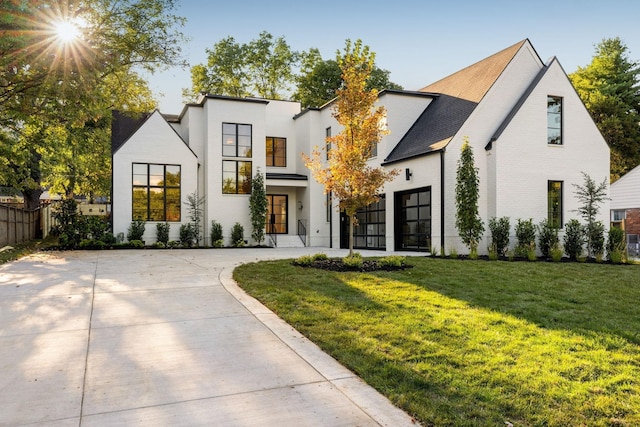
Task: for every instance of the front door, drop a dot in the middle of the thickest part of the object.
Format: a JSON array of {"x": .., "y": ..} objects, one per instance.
[{"x": 277, "y": 213}]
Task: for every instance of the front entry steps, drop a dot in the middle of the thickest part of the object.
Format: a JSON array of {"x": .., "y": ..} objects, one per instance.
[{"x": 289, "y": 241}]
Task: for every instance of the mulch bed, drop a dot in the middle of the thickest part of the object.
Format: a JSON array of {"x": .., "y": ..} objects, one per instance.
[{"x": 336, "y": 264}]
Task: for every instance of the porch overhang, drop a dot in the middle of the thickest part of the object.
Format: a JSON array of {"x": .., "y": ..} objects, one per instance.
[{"x": 286, "y": 180}]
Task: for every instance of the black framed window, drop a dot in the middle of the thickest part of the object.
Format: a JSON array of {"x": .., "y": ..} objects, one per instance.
[
  {"x": 277, "y": 208},
  {"x": 554, "y": 120},
  {"x": 413, "y": 220},
  {"x": 327, "y": 135},
  {"x": 370, "y": 231},
  {"x": 276, "y": 152},
  {"x": 156, "y": 192},
  {"x": 554, "y": 203},
  {"x": 236, "y": 177},
  {"x": 236, "y": 140}
]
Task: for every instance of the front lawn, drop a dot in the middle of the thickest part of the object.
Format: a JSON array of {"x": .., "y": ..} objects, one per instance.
[{"x": 469, "y": 343}]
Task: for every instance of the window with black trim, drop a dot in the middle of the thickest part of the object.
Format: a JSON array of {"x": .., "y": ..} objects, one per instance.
[
  {"x": 327, "y": 135},
  {"x": 554, "y": 120},
  {"x": 554, "y": 203},
  {"x": 236, "y": 140},
  {"x": 276, "y": 151},
  {"x": 236, "y": 177},
  {"x": 156, "y": 192}
]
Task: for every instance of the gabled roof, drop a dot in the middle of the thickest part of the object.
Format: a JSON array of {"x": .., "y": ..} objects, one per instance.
[
  {"x": 123, "y": 126},
  {"x": 459, "y": 94}
]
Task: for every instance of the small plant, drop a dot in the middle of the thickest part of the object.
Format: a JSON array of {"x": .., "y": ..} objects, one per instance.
[
  {"x": 500, "y": 229},
  {"x": 547, "y": 237},
  {"x": 173, "y": 244},
  {"x": 237, "y": 235},
  {"x": 493, "y": 253},
  {"x": 353, "y": 261},
  {"x": 303, "y": 261},
  {"x": 195, "y": 207},
  {"x": 573, "y": 239},
  {"x": 136, "y": 244},
  {"x": 109, "y": 239},
  {"x": 595, "y": 239},
  {"x": 136, "y": 230},
  {"x": 616, "y": 248},
  {"x": 396, "y": 261},
  {"x": 531, "y": 254},
  {"x": 473, "y": 252},
  {"x": 434, "y": 251},
  {"x": 187, "y": 235},
  {"x": 217, "y": 239},
  {"x": 320, "y": 257},
  {"x": 453, "y": 253},
  {"x": 556, "y": 252},
  {"x": 120, "y": 238},
  {"x": 526, "y": 236},
  {"x": 162, "y": 233}
]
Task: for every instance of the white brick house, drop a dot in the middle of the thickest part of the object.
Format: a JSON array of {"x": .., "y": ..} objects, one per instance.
[{"x": 531, "y": 135}]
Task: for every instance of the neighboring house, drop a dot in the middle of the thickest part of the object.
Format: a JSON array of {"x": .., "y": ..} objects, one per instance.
[
  {"x": 532, "y": 138},
  {"x": 625, "y": 208}
]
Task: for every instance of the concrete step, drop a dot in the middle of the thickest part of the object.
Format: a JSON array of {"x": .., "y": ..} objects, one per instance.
[{"x": 289, "y": 241}]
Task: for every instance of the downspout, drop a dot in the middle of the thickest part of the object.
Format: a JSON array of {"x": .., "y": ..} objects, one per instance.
[
  {"x": 442, "y": 202},
  {"x": 331, "y": 222}
]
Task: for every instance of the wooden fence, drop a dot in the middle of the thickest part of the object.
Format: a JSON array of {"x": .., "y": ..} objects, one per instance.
[{"x": 19, "y": 225}]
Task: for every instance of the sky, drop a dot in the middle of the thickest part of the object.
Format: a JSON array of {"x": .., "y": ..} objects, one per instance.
[{"x": 418, "y": 42}]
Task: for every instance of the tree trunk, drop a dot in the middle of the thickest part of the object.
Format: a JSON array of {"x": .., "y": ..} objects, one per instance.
[
  {"x": 32, "y": 195},
  {"x": 351, "y": 221}
]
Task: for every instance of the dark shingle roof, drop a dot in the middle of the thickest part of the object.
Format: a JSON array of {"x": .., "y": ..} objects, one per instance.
[
  {"x": 123, "y": 126},
  {"x": 459, "y": 94}
]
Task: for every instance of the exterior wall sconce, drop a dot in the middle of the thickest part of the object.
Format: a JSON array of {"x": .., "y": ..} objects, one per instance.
[
  {"x": 408, "y": 174},
  {"x": 300, "y": 205}
]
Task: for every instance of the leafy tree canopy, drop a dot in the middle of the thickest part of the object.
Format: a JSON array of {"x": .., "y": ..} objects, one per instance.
[{"x": 608, "y": 86}]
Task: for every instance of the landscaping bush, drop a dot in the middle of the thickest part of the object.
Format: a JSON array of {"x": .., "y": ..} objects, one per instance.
[
  {"x": 217, "y": 239},
  {"x": 392, "y": 261},
  {"x": 595, "y": 238},
  {"x": 109, "y": 239},
  {"x": 573, "y": 239},
  {"x": 556, "y": 252},
  {"x": 162, "y": 233},
  {"x": 353, "y": 261},
  {"x": 304, "y": 261},
  {"x": 616, "y": 246},
  {"x": 187, "y": 235},
  {"x": 547, "y": 237},
  {"x": 237, "y": 235},
  {"x": 320, "y": 257},
  {"x": 137, "y": 244},
  {"x": 136, "y": 230},
  {"x": 500, "y": 229},
  {"x": 526, "y": 236}
]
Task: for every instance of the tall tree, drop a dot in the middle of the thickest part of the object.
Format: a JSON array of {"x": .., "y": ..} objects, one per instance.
[
  {"x": 57, "y": 62},
  {"x": 591, "y": 195},
  {"x": 346, "y": 172},
  {"x": 468, "y": 221},
  {"x": 258, "y": 206},
  {"x": 263, "y": 67},
  {"x": 609, "y": 89},
  {"x": 319, "y": 80}
]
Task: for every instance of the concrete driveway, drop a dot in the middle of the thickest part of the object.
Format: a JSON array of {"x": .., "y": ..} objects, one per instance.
[{"x": 163, "y": 337}]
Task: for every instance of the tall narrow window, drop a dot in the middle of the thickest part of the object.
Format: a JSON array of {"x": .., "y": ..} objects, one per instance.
[
  {"x": 554, "y": 203},
  {"x": 276, "y": 151},
  {"x": 236, "y": 140},
  {"x": 327, "y": 135},
  {"x": 554, "y": 120},
  {"x": 156, "y": 192}
]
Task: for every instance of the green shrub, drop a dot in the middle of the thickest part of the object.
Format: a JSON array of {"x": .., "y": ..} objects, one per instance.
[
  {"x": 120, "y": 238},
  {"x": 595, "y": 238},
  {"x": 162, "y": 233},
  {"x": 320, "y": 257},
  {"x": 473, "y": 253},
  {"x": 616, "y": 247},
  {"x": 392, "y": 261},
  {"x": 547, "y": 237},
  {"x": 217, "y": 239},
  {"x": 92, "y": 244},
  {"x": 136, "y": 230},
  {"x": 237, "y": 235},
  {"x": 573, "y": 239},
  {"x": 136, "y": 244},
  {"x": 159, "y": 245},
  {"x": 353, "y": 261},
  {"x": 500, "y": 229},
  {"x": 493, "y": 253},
  {"x": 453, "y": 253},
  {"x": 187, "y": 235},
  {"x": 109, "y": 239},
  {"x": 531, "y": 254},
  {"x": 556, "y": 252},
  {"x": 303, "y": 261},
  {"x": 173, "y": 244},
  {"x": 526, "y": 237}
]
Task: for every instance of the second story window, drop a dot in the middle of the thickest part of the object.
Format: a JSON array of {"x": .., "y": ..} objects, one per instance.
[
  {"x": 236, "y": 140},
  {"x": 554, "y": 120},
  {"x": 276, "y": 151},
  {"x": 327, "y": 134}
]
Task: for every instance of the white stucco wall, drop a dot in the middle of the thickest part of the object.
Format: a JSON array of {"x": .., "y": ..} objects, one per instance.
[{"x": 155, "y": 142}]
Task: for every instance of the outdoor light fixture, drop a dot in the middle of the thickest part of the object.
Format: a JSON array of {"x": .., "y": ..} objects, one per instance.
[
  {"x": 408, "y": 174},
  {"x": 299, "y": 205}
]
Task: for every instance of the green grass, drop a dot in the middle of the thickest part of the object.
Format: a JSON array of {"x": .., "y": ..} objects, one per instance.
[
  {"x": 468, "y": 343},
  {"x": 23, "y": 249}
]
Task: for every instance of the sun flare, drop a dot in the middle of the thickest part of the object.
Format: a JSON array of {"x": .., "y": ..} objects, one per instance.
[{"x": 67, "y": 31}]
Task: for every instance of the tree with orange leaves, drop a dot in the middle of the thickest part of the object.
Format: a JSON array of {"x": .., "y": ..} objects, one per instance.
[{"x": 346, "y": 174}]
